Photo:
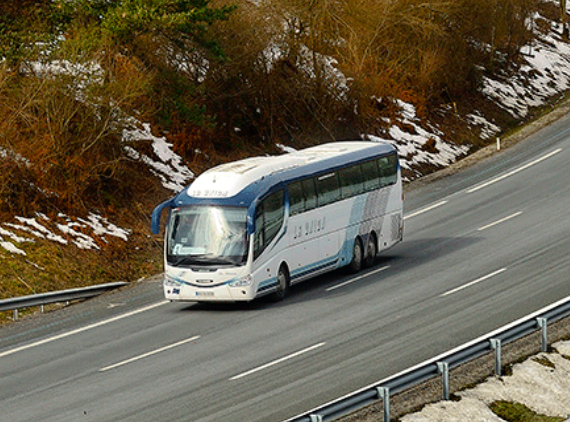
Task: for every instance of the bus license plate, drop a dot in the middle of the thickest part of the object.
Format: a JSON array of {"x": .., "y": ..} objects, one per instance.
[{"x": 205, "y": 294}]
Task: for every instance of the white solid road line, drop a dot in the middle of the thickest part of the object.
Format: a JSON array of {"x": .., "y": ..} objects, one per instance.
[
  {"x": 426, "y": 209},
  {"x": 357, "y": 278},
  {"x": 144, "y": 355},
  {"x": 474, "y": 282},
  {"x": 275, "y": 362},
  {"x": 502, "y": 220},
  {"x": 515, "y": 171},
  {"x": 80, "y": 330}
]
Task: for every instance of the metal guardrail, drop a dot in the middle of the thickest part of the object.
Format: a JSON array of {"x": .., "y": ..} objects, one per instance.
[
  {"x": 440, "y": 366},
  {"x": 56, "y": 297}
]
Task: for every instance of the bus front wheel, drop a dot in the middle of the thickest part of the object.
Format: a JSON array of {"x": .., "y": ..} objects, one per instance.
[{"x": 282, "y": 284}]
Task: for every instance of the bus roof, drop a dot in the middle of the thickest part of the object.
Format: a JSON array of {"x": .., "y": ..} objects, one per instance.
[{"x": 238, "y": 183}]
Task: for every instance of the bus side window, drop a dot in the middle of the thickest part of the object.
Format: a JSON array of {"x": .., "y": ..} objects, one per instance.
[
  {"x": 259, "y": 236},
  {"x": 371, "y": 176},
  {"x": 393, "y": 168},
  {"x": 328, "y": 190},
  {"x": 310, "y": 194},
  {"x": 388, "y": 169},
  {"x": 296, "y": 198},
  {"x": 269, "y": 217},
  {"x": 351, "y": 183}
]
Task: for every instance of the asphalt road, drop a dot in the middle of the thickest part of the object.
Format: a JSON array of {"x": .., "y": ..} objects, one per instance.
[{"x": 482, "y": 248}]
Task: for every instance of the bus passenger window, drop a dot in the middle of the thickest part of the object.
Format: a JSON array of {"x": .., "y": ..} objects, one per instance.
[
  {"x": 310, "y": 194},
  {"x": 371, "y": 176},
  {"x": 388, "y": 169},
  {"x": 296, "y": 198},
  {"x": 351, "y": 181},
  {"x": 328, "y": 190}
]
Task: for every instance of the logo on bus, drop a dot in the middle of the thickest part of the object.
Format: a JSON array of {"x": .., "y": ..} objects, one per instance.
[
  {"x": 309, "y": 227},
  {"x": 208, "y": 193}
]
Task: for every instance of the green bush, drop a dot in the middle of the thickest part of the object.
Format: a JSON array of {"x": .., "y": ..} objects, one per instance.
[{"x": 516, "y": 412}]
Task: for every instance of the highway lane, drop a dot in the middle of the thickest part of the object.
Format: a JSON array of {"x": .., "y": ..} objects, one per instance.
[{"x": 476, "y": 261}]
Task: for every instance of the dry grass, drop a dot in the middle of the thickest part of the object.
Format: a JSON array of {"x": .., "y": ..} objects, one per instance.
[{"x": 50, "y": 266}]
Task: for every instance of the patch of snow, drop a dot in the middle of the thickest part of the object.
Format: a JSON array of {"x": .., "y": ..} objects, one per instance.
[
  {"x": 545, "y": 74},
  {"x": 84, "y": 74},
  {"x": 543, "y": 389},
  {"x": 410, "y": 138},
  {"x": 10, "y": 247},
  {"x": 467, "y": 409},
  {"x": 42, "y": 229},
  {"x": 6, "y": 153},
  {"x": 101, "y": 227},
  {"x": 408, "y": 111},
  {"x": 562, "y": 347},
  {"x": 71, "y": 230},
  {"x": 271, "y": 55},
  {"x": 540, "y": 388},
  {"x": 26, "y": 229},
  {"x": 486, "y": 128},
  {"x": 285, "y": 148},
  {"x": 169, "y": 166},
  {"x": 82, "y": 241},
  {"x": 335, "y": 79},
  {"x": 14, "y": 237}
]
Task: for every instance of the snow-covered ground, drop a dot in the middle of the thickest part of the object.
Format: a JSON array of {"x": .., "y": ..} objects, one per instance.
[
  {"x": 166, "y": 165},
  {"x": 419, "y": 143},
  {"x": 543, "y": 388},
  {"x": 545, "y": 74},
  {"x": 84, "y": 233}
]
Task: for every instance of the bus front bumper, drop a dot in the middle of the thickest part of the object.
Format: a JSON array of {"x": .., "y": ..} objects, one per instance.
[{"x": 221, "y": 293}]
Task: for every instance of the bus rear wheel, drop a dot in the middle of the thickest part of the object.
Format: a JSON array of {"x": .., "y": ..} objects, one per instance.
[
  {"x": 356, "y": 263},
  {"x": 282, "y": 284},
  {"x": 370, "y": 251}
]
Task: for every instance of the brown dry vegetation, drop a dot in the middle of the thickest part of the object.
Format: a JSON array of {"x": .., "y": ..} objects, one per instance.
[
  {"x": 266, "y": 68},
  {"x": 427, "y": 53}
]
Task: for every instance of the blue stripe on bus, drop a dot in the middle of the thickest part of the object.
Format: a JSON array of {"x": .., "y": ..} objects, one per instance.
[
  {"x": 331, "y": 262},
  {"x": 267, "y": 284},
  {"x": 317, "y": 266}
]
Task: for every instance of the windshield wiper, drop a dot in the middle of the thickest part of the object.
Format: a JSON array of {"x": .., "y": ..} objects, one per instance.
[
  {"x": 203, "y": 260},
  {"x": 186, "y": 260}
]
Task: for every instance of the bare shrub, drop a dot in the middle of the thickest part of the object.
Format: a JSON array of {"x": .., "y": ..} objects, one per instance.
[{"x": 61, "y": 135}]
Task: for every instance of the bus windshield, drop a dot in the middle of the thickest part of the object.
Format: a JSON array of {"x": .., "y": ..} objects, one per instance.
[{"x": 207, "y": 235}]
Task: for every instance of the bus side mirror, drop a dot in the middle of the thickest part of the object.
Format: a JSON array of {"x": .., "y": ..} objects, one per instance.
[{"x": 155, "y": 218}]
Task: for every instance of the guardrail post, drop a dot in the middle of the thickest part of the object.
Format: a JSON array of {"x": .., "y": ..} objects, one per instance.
[
  {"x": 316, "y": 418},
  {"x": 543, "y": 324},
  {"x": 496, "y": 346},
  {"x": 443, "y": 369},
  {"x": 15, "y": 314},
  {"x": 384, "y": 394}
]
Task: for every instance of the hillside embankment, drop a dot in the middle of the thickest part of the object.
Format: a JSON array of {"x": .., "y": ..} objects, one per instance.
[{"x": 107, "y": 112}]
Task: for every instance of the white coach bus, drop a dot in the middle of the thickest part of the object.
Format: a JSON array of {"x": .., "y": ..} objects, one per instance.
[{"x": 256, "y": 226}]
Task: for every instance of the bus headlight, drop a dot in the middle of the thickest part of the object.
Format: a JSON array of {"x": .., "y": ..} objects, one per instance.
[
  {"x": 242, "y": 281},
  {"x": 170, "y": 281}
]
